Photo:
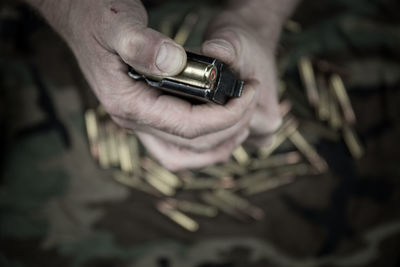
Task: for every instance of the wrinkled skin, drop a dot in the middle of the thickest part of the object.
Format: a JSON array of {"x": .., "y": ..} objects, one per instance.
[{"x": 107, "y": 35}]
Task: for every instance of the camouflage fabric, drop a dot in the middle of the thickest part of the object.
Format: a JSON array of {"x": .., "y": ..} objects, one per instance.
[{"x": 58, "y": 208}]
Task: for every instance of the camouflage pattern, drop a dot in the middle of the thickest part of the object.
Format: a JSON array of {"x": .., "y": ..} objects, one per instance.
[{"x": 58, "y": 208}]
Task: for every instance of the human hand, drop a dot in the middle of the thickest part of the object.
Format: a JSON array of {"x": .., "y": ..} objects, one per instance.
[{"x": 106, "y": 36}]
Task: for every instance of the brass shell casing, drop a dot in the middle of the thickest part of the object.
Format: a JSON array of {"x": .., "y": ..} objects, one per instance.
[{"x": 196, "y": 74}]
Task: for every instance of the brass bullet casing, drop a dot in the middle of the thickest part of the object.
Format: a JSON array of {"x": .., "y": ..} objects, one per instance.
[
  {"x": 307, "y": 75},
  {"x": 163, "y": 174},
  {"x": 92, "y": 130},
  {"x": 186, "y": 28},
  {"x": 268, "y": 184},
  {"x": 340, "y": 92},
  {"x": 241, "y": 156},
  {"x": 193, "y": 207},
  {"x": 203, "y": 78},
  {"x": 178, "y": 217},
  {"x": 195, "y": 73},
  {"x": 353, "y": 143}
]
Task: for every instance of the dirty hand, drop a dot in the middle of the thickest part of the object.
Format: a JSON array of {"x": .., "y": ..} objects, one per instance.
[{"x": 106, "y": 36}]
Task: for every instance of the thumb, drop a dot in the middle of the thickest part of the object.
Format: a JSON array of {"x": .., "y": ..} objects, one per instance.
[{"x": 148, "y": 51}]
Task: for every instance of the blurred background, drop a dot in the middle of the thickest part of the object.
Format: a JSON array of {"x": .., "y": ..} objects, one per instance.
[{"x": 77, "y": 191}]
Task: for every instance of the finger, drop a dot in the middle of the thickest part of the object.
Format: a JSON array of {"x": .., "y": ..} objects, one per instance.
[
  {"x": 198, "y": 144},
  {"x": 147, "y": 107},
  {"x": 146, "y": 50},
  {"x": 175, "y": 158}
]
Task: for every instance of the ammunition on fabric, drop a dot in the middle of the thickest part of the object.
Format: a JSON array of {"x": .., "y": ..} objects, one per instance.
[
  {"x": 135, "y": 156},
  {"x": 92, "y": 130},
  {"x": 159, "y": 184},
  {"x": 213, "y": 200},
  {"x": 134, "y": 182},
  {"x": 178, "y": 217},
  {"x": 293, "y": 26},
  {"x": 353, "y": 143},
  {"x": 269, "y": 184},
  {"x": 320, "y": 130},
  {"x": 203, "y": 183},
  {"x": 112, "y": 144},
  {"x": 186, "y": 28},
  {"x": 277, "y": 160},
  {"x": 194, "y": 208},
  {"x": 309, "y": 152},
  {"x": 125, "y": 159},
  {"x": 240, "y": 203},
  {"x": 104, "y": 159},
  {"x": 343, "y": 98},
  {"x": 335, "y": 119},
  {"x": 241, "y": 156},
  {"x": 307, "y": 76},
  {"x": 287, "y": 128},
  {"x": 163, "y": 174},
  {"x": 323, "y": 105}
]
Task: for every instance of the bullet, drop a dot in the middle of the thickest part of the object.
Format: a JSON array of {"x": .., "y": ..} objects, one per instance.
[
  {"x": 203, "y": 183},
  {"x": 92, "y": 130},
  {"x": 309, "y": 152},
  {"x": 323, "y": 105},
  {"x": 104, "y": 159},
  {"x": 194, "y": 208},
  {"x": 134, "y": 182},
  {"x": 186, "y": 28},
  {"x": 212, "y": 200},
  {"x": 241, "y": 156},
  {"x": 352, "y": 141},
  {"x": 240, "y": 203},
  {"x": 156, "y": 170},
  {"x": 293, "y": 26},
  {"x": 335, "y": 118},
  {"x": 287, "y": 128},
  {"x": 267, "y": 185},
  {"x": 178, "y": 217},
  {"x": 159, "y": 184},
  {"x": 341, "y": 94},
  {"x": 307, "y": 76},
  {"x": 125, "y": 159},
  {"x": 135, "y": 155},
  {"x": 282, "y": 159},
  {"x": 112, "y": 144}
]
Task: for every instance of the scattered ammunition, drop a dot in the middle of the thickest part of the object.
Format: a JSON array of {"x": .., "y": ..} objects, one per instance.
[
  {"x": 254, "y": 178},
  {"x": 241, "y": 156},
  {"x": 178, "y": 217},
  {"x": 293, "y": 26},
  {"x": 92, "y": 130},
  {"x": 343, "y": 98},
  {"x": 234, "y": 169},
  {"x": 277, "y": 160},
  {"x": 269, "y": 184},
  {"x": 308, "y": 151},
  {"x": 159, "y": 184},
  {"x": 134, "y": 182},
  {"x": 163, "y": 174},
  {"x": 281, "y": 135},
  {"x": 167, "y": 26},
  {"x": 194, "y": 207},
  {"x": 323, "y": 105},
  {"x": 203, "y": 183},
  {"x": 135, "y": 156},
  {"x": 125, "y": 158},
  {"x": 215, "y": 171},
  {"x": 308, "y": 78},
  {"x": 335, "y": 119},
  {"x": 353, "y": 143},
  {"x": 104, "y": 158},
  {"x": 241, "y": 204},
  {"x": 112, "y": 144},
  {"x": 320, "y": 130},
  {"x": 213, "y": 200},
  {"x": 186, "y": 28}
]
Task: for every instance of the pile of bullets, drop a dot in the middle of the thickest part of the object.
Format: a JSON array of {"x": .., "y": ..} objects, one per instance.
[{"x": 322, "y": 109}]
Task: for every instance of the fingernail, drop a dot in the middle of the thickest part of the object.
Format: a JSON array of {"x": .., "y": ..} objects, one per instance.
[
  {"x": 170, "y": 59},
  {"x": 222, "y": 44}
]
